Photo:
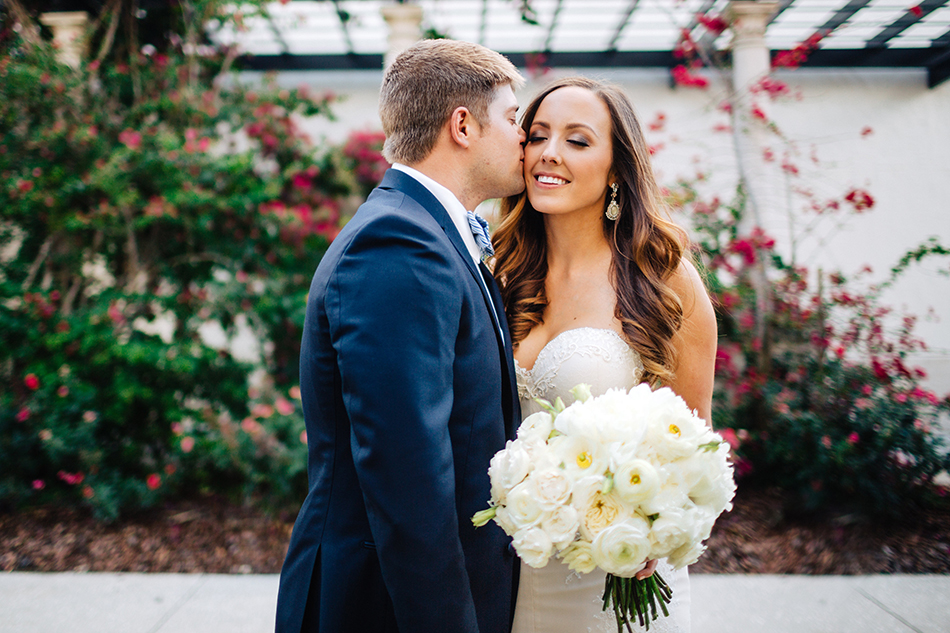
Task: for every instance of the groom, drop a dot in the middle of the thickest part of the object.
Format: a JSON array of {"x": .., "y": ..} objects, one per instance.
[{"x": 406, "y": 375}]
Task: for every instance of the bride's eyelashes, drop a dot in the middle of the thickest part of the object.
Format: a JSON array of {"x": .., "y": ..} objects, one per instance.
[{"x": 579, "y": 142}]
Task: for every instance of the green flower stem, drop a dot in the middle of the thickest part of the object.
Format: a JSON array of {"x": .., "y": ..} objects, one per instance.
[{"x": 636, "y": 600}]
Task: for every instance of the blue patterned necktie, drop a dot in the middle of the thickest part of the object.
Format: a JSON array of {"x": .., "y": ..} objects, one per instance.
[{"x": 480, "y": 230}]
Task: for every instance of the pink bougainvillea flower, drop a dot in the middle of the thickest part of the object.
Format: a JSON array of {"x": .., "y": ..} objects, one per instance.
[
  {"x": 88, "y": 492},
  {"x": 303, "y": 437},
  {"x": 683, "y": 76},
  {"x": 713, "y": 23},
  {"x": 854, "y": 438},
  {"x": 187, "y": 444},
  {"x": 262, "y": 410},
  {"x": 63, "y": 391},
  {"x": 23, "y": 414},
  {"x": 826, "y": 441},
  {"x": 295, "y": 392},
  {"x": 731, "y": 438},
  {"x": 284, "y": 406},
  {"x": 32, "y": 382},
  {"x": 38, "y": 484},
  {"x": 153, "y": 481},
  {"x": 860, "y": 199},
  {"x": 250, "y": 426},
  {"x": 131, "y": 139},
  {"x": 73, "y": 479}
]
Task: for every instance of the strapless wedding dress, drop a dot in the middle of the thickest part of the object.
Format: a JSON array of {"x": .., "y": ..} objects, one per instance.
[{"x": 555, "y": 599}]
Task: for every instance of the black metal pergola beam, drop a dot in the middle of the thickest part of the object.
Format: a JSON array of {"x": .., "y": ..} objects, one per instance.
[
  {"x": 622, "y": 24},
  {"x": 904, "y": 22},
  {"x": 842, "y": 15},
  {"x": 344, "y": 19},
  {"x": 554, "y": 17}
]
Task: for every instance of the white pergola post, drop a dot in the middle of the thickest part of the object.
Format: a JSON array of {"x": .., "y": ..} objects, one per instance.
[
  {"x": 405, "y": 28},
  {"x": 751, "y": 62},
  {"x": 69, "y": 34}
]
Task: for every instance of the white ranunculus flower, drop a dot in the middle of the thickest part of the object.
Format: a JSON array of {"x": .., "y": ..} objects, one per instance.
[
  {"x": 579, "y": 557},
  {"x": 508, "y": 468},
  {"x": 686, "y": 554},
  {"x": 523, "y": 507},
  {"x": 533, "y": 546},
  {"x": 619, "y": 420},
  {"x": 622, "y": 548},
  {"x": 578, "y": 455},
  {"x": 553, "y": 486},
  {"x": 636, "y": 481},
  {"x": 561, "y": 525},
  {"x": 671, "y": 530},
  {"x": 674, "y": 431}
]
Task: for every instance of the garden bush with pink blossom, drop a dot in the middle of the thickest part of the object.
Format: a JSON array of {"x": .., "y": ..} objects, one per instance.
[{"x": 144, "y": 195}]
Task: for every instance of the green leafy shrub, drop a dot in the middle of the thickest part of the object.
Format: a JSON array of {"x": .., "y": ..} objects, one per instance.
[{"x": 145, "y": 197}]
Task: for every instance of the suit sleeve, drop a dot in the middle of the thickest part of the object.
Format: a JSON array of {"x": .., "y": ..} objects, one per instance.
[{"x": 394, "y": 308}]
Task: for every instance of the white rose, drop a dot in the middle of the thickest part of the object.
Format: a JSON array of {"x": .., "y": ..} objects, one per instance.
[
  {"x": 504, "y": 520},
  {"x": 596, "y": 509},
  {"x": 533, "y": 546},
  {"x": 686, "y": 554},
  {"x": 536, "y": 427},
  {"x": 561, "y": 526},
  {"x": 553, "y": 486},
  {"x": 578, "y": 420},
  {"x": 622, "y": 549},
  {"x": 618, "y": 418},
  {"x": 636, "y": 481},
  {"x": 672, "y": 493},
  {"x": 523, "y": 507},
  {"x": 507, "y": 468},
  {"x": 708, "y": 477},
  {"x": 672, "y": 529},
  {"x": 579, "y": 557}
]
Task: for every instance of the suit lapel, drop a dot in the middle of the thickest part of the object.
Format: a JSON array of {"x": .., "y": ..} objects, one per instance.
[{"x": 400, "y": 181}]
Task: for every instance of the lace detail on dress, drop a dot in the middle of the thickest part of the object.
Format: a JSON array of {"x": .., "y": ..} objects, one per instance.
[{"x": 597, "y": 344}]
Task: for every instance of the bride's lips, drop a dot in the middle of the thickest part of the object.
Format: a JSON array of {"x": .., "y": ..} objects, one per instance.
[{"x": 549, "y": 181}]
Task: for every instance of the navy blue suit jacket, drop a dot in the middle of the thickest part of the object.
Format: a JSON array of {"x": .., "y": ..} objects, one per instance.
[{"x": 408, "y": 391}]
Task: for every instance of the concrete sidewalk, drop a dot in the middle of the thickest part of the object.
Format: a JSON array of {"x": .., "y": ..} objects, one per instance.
[{"x": 180, "y": 603}]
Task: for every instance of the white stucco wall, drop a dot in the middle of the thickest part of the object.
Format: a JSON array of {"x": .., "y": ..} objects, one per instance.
[{"x": 904, "y": 163}]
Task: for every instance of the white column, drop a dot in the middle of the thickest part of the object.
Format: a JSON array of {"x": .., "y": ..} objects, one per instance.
[
  {"x": 69, "y": 34},
  {"x": 751, "y": 61},
  {"x": 405, "y": 28}
]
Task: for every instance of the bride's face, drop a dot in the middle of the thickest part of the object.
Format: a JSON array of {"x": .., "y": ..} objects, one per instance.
[{"x": 567, "y": 157}]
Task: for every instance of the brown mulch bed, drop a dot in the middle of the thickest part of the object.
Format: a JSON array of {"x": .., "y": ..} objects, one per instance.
[{"x": 214, "y": 536}]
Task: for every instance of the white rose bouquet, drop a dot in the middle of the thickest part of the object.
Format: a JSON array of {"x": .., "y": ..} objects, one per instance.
[{"x": 612, "y": 482}]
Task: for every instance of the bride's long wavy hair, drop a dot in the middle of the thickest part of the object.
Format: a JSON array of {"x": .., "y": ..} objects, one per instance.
[{"x": 647, "y": 247}]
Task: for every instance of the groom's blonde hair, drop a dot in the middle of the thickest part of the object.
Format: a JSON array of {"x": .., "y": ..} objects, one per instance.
[{"x": 427, "y": 82}]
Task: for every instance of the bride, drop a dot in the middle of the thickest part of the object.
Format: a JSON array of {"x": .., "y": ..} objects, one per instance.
[{"x": 599, "y": 289}]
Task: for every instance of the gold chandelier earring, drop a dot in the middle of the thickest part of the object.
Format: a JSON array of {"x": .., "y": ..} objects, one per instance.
[{"x": 613, "y": 209}]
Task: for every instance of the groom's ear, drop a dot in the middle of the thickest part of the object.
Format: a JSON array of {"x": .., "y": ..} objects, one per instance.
[{"x": 462, "y": 127}]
